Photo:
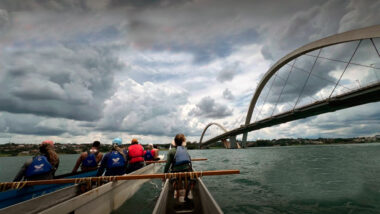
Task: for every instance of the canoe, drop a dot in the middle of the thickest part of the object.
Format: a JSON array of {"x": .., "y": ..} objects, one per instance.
[
  {"x": 102, "y": 199},
  {"x": 202, "y": 201},
  {"x": 12, "y": 197}
]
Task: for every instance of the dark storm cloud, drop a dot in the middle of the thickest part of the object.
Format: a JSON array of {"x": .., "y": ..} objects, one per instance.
[
  {"x": 228, "y": 73},
  {"x": 209, "y": 32},
  {"x": 4, "y": 18},
  {"x": 60, "y": 81},
  {"x": 318, "y": 21},
  {"x": 208, "y": 108},
  {"x": 356, "y": 121},
  {"x": 228, "y": 95},
  {"x": 303, "y": 27},
  {"x": 32, "y": 125},
  {"x": 360, "y": 14},
  {"x": 142, "y": 4},
  {"x": 218, "y": 47},
  {"x": 55, "y": 5}
]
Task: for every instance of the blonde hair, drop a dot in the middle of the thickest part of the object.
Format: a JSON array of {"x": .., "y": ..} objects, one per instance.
[
  {"x": 50, "y": 153},
  {"x": 150, "y": 146}
]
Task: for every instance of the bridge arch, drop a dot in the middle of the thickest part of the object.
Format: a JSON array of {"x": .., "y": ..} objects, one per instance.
[
  {"x": 205, "y": 129},
  {"x": 365, "y": 37},
  {"x": 354, "y": 35}
]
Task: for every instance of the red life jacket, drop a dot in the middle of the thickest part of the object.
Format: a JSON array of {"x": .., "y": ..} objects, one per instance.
[
  {"x": 135, "y": 153},
  {"x": 151, "y": 152}
]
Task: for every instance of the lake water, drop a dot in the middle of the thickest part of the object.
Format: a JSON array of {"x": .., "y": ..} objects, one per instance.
[{"x": 293, "y": 179}]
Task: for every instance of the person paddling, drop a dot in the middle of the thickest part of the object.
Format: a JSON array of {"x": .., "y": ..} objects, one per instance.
[
  {"x": 113, "y": 162},
  {"x": 42, "y": 166},
  {"x": 156, "y": 152},
  {"x": 149, "y": 154},
  {"x": 135, "y": 156},
  {"x": 90, "y": 159},
  {"x": 179, "y": 160}
]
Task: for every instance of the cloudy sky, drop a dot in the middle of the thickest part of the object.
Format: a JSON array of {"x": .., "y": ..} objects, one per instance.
[{"x": 79, "y": 71}]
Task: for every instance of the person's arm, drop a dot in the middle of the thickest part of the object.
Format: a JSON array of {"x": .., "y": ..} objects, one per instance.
[
  {"x": 191, "y": 163},
  {"x": 126, "y": 152},
  {"x": 22, "y": 171},
  {"x": 99, "y": 158},
  {"x": 103, "y": 166},
  {"x": 169, "y": 161},
  {"x": 56, "y": 167},
  {"x": 77, "y": 164}
]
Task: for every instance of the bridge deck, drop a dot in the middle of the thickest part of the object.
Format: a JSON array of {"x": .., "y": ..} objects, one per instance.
[{"x": 353, "y": 98}]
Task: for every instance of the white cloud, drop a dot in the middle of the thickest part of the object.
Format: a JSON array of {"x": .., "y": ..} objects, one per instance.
[{"x": 147, "y": 108}]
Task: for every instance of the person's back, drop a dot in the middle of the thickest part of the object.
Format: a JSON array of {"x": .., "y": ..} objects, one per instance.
[
  {"x": 149, "y": 153},
  {"x": 114, "y": 162},
  {"x": 178, "y": 159},
  {"x": 156, "y": 153},
  {"x": 89, "y": 160},
  {"x": 42, "y": 166},
  {"x": 135, "y": 156}
]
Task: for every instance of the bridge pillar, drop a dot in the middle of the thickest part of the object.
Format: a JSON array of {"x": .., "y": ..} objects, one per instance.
[
  {"x": 244, "y": 140},
  {"x": 226, "y": 143},
  {"x": 233, "y": 142}
]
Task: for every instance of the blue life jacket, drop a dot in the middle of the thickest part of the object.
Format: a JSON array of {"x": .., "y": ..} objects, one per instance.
[
  {"x": 181, "y": 156},
  {"x": 115, "y": 159},
  {"x": 148, "y": 155},
  {"x": 90, "y": 160},
  {"x": 40, "y": 165}
]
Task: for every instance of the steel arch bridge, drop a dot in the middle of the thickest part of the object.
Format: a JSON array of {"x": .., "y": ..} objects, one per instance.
[
  {"x": 342, "y": 96},
  {"x": 208, "y": 125}
]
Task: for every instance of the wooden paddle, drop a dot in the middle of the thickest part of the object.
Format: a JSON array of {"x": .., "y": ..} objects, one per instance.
[
  {"x": 164, "y": 161},
  {"x": 17, "y": 185}
]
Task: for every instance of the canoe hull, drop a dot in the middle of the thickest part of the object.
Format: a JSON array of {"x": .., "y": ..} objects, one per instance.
[
  {"x": 203, "y": 202},
  {"x": 103, "y": 199},
  {"x": 13, "y": 197}
]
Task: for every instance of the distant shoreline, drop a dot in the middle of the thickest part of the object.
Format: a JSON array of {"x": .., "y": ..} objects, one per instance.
[
  {"x": 210, "y": 147},
  {"x": 12, "y": 149}
]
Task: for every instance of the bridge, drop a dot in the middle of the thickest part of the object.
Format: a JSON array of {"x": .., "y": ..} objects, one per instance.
[{"x": 334, "y": 73}]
